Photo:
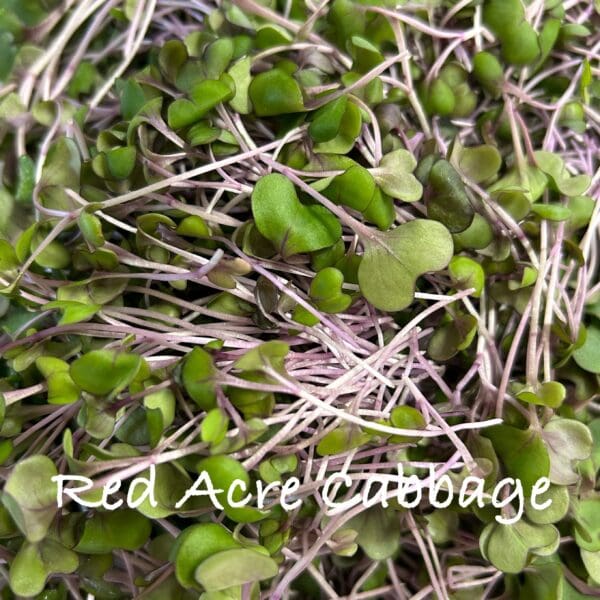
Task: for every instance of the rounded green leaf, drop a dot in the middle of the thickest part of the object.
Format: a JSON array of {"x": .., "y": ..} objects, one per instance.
[
  {"x": 91, "y": 228},
  {"x": 586, "y": 513},
  {"x": 349, "y": 129},
  {"x": 214, "y": 426},
  {"x": 522, "y": 451},
  {"x": 121, "y": 161},
  {"x": 550, "y": 393},
  {"x": 294, "y": 228},
  {"x": 326, "y": 291},
  {"x": 520, "y": 45},
  {"x": 508, "y": 547},
  {"x": 393, "y": 260},
  {"x": 551, "y": 212},
  {"x": 234, "y": 567},
  {"x": 568, "y": 442},
  {"x": 197, "y": 543},
  {"x": 378, "y": 532},
  {"x": 440, "y": 98},
  {"x": 197, "y": 375},
  {"x": 183, "y": 112},
  {"x": 588, "y": 355},
  {"x": 452, "y": 336},
  {"x": 275, "y": 92},
  {"x": 210, "y": 92},
  {"x": 344, "y": 438},
  {"x": 217, "y": 57},
  {"x": 479, "y": 163},
  {"x": 395, "y": 176},
  {"x": 28, "y": 572},
  {"x": 103, "y": 372},
  {"x": 559, "y": 497},
  {"x": 446, "y": 198},
  {"x": 327, "y": 120},
  {"x": 171, "y": 58},
  {"x": 488, "y": 71},
  {"x": 223, "y": 471},
  {"x": 467, "y": 273},
  {"x": 240, "y": 73},
  {"x": 406, "y": 417},
  {"x": 30, "y": 496},
  {"x": 123, "y": 529}
]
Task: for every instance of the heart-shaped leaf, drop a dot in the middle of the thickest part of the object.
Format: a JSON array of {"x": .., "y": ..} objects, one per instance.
[
  {"x": 508, "y": 547},
  {"x": 451, "y": 337},
  {"x": 61, "y": 388},
  {"x": 530, "y": 180},
  {"x": 326, "y": 291},
  {"x": 294, "y": 228},
  {"x": 356, "y": 188},
  {"x": 34, "y": 563},
  {"x": 568, "y": 441},
  {"x": 394, "y": 259},
  {"x": 103, "y": 372},
  {"x": 30, "y": 496},
  {"x": 395, "y": 176}
]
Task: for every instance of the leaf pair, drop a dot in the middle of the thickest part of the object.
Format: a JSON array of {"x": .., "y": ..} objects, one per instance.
[{"x": 34, "y": 563}]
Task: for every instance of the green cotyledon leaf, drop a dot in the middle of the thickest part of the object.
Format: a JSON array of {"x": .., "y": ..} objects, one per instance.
[
  {"x": 294, "y": 228},
  {"x": 394, "y": 259}
]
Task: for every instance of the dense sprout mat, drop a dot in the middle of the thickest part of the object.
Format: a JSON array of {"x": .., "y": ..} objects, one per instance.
[{"x": 299, "y": 299}]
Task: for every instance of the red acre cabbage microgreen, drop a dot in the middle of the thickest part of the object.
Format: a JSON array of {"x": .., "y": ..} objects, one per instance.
[{"x": 299, "y": 300}]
